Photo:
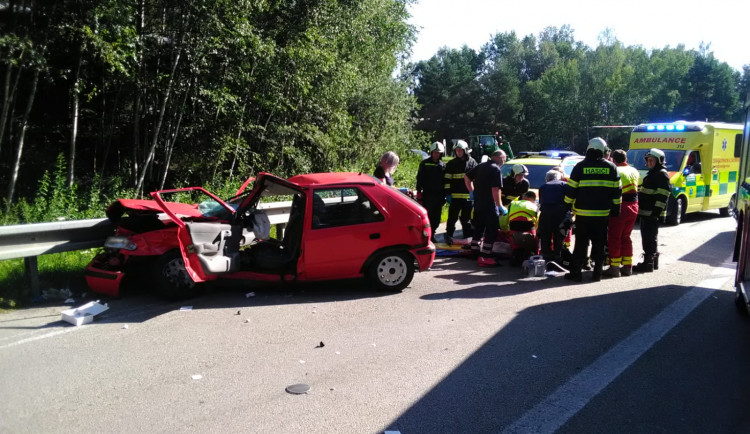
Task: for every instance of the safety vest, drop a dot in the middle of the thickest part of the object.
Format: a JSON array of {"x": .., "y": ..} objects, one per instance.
[
  {"x": 522, "y": 210},
  {"x": 629, "y": 178}
]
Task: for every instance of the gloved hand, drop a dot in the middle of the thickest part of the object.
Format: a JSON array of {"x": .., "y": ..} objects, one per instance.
[
  {"x": 448, "y": 198},
  {"x": 501, "y": 210},
  {"x": 471, "y": 195}
]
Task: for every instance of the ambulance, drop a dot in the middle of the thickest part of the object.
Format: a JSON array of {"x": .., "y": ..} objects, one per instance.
[{"x": 702, "y": 159}]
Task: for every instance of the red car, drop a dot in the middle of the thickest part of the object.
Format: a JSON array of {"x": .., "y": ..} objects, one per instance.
[{"x": 326, "y": 226}]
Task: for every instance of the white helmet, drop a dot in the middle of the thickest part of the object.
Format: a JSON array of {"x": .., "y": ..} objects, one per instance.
[
  {"x": 656, "y": 153},
  {"x": 437, "y": 146},
  {"x": 599, "y": 144},
  {"x": 519, "y": 169},
  {"x": 461, "y": 145}
]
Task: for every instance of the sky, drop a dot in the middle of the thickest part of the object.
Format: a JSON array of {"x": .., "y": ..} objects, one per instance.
[{"x": 725, "y": 24}]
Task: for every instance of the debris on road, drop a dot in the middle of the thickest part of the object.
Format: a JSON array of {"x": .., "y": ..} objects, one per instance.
[
  {"x": 125, "y": 327},
  {"x": 69, "y": 301},
  {"x": 250, "y": 294},
  {"x": 321, "y": 345},
  {"x": 186, "y": 308},
  {"x": 298, "y": 389},
  {"x": 197, "y": 377},
  {"x": 83, "y": 314}
]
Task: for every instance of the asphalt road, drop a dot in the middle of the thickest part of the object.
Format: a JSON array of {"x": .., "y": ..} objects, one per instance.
[{"x": 462, "y": 350}]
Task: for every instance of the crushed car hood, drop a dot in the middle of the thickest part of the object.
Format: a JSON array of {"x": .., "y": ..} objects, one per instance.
[{"x": 146, "y": 206}]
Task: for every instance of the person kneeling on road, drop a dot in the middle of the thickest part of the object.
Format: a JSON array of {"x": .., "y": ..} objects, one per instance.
[{"x": 522, "y": 219}]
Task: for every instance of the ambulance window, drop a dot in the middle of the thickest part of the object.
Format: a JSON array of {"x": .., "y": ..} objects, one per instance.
[
  {"x": 737, "y": 145},
  {"x": 693, "y": 163}
]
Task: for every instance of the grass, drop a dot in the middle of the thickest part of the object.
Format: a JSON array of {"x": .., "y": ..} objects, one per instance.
[{"x": 56, "y": 271}]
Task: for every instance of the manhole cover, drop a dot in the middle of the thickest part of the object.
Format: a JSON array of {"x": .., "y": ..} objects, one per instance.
[{"x": 297, "y": 389}]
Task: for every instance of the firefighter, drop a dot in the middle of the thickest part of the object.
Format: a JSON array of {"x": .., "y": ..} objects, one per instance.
[
  {"x": 652, "y": 201},
  {"x": 384, "y": 170},
  {"x": 552, "y": 213},
  {"x": 522, "y": 219},
  {"x": 619, "y": 244},
  {"x": 457, "y": 195},
  {"x": 515, "y": 184},
  {"x": 430, "y": 185},
  {"x": 593, "y": 193},
  {"x": 486, "y": 181}
]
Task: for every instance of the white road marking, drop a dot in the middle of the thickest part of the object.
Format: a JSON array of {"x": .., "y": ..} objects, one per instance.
[
  {"x": 44, "y": 336},
  {"x": 555, "y": 410}
]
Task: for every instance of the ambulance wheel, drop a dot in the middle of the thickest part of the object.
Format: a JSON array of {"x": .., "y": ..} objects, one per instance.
[
  {"x": 172, "y": 279},
  {"x": 729, "y": 210},
  {"x": 391, "y": 272},
  {"x": 677, "y": 211},
  {"x": 739, "y": 303}
]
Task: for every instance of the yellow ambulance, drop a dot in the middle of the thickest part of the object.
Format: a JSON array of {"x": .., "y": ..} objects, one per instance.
[{"x": 702, "y": 159}]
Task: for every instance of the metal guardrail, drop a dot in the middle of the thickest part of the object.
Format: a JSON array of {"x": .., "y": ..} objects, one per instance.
[{"x": 32, "y": 240}]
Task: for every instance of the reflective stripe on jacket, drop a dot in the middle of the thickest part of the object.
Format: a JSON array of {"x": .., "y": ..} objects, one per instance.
[
  {"x": 454, "y": 176},
  {"x": 594, "y": 189},
  {"x": 654, "y": 192}
]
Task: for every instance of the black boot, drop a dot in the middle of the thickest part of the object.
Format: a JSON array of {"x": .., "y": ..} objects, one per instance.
[
  {"x": 597, "y": 276},
  {"x": 646, "y": 266}
]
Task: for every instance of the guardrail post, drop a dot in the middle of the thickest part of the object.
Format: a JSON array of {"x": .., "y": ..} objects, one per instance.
[{"x": 32, "y": 274}]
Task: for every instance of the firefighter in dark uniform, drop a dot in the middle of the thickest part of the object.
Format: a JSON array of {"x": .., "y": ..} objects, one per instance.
[
  {"x": 594, "y": 193},
  {"x": 456, "y": 192},
  {"x": 515, "y": 184},
  {"x": 430, "y": 185},
  {"x": 486, "y": 181},
  {"x": 652, "y": 200}
]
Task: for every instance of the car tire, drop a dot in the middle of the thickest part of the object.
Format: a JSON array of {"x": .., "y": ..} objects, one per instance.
[
  {"x": 391, "y": 272},
  {"x": 677, "y": 212},
  {"x": 739, "y": 303},
  {"x": 729, "y": 210},
  {"x": 172, "y": 279}
]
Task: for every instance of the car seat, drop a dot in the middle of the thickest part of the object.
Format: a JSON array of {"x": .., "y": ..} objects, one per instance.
[{"x": 279, "y": 257}]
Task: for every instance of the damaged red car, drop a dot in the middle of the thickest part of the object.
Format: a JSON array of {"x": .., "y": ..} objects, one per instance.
[{"x": 313, "y": 227}]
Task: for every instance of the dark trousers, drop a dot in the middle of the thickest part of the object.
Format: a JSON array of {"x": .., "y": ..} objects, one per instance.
[
  {"x": 459, "y": 209},
  {"x": 593, "y": 229},
  {"x": 549, "y": 232},
  {"x": 486, "y": 223},
  {"x": 433, "y": 203},
  {"x": 649, "y": 234}
]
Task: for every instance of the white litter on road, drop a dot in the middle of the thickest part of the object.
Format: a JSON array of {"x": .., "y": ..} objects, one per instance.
[
  {"x": 250, "y": 294},
  {"x": 83, "y": 314},
  {"x": 197, "y": 376},
  {"x": 186, "y": 308}
]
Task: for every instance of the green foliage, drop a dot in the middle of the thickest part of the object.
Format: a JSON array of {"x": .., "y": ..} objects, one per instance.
[
  {"x": 57, "y": 271},
  {"x": 552, "y": 91}
]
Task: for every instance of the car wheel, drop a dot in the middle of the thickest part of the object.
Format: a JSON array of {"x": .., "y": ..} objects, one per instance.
[
  {"x": 677, "y": 212},
  {"x": 739, "y": 303},
  {"x": 392, "y": 272},
  {"x": 172, "y": 279},
  {"x": 729, "y": 210}
]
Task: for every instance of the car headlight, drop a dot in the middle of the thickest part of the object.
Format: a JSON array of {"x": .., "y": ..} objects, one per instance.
[{"x": 119, "y": 243}]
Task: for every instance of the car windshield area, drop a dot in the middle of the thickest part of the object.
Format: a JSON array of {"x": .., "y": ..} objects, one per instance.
[
  {"x": 537, "y": 173},
  {"x": 672, "y": 159},
  {"x": 208, "y": 207}
]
